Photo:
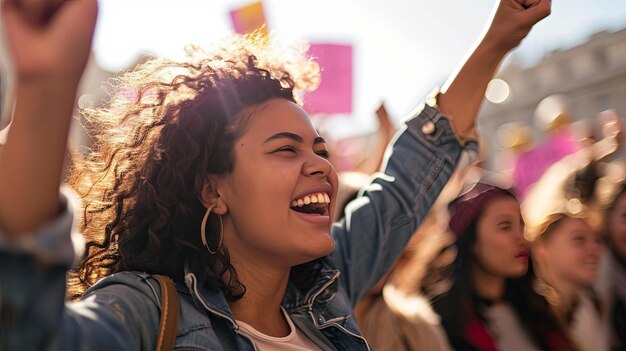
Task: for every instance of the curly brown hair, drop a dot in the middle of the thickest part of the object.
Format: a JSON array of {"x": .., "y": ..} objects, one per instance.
[{"x": 168, "y": 126}]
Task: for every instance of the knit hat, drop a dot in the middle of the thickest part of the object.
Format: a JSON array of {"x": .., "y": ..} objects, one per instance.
[
  {"x": 557, "y": 194},
  {"x": 466, "y": 208}
]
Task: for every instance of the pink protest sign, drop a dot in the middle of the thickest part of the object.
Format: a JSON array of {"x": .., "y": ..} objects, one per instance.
[
  {"x": 247, "y": 18},
  {"x": 334, "y": 95},
  {"x": 531, "y": 165}
]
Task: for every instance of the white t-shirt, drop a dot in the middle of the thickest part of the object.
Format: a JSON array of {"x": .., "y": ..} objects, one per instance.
[
  {"x": 507, "y": 330},
  {"x": 589, "y": 329},
  {"x": 295, "y": 341}
]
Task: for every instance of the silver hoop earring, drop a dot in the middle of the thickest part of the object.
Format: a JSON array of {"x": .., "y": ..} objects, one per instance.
[{"x": 203, "y": 231}]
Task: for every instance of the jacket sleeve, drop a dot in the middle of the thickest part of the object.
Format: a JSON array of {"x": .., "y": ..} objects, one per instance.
[
  {"x": 115, "y": 314},
  {"x": 380, "y": 221}
]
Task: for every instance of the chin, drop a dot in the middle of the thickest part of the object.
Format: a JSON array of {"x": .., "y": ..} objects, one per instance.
[
  {"x": 588, "y": 280},
  {"x": 326, "y": 247},
  {"x": 519, "y": 272},
  {"x": 316, "y": 250}
]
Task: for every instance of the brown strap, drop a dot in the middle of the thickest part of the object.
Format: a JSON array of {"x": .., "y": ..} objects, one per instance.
[{"x": 169, "y": 314}]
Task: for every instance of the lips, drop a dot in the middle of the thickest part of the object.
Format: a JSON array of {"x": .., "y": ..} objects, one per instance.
[{"x": 522, "y": 254}]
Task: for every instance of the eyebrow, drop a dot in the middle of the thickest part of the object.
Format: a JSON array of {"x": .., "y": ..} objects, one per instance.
[
  {"x": 504, "y": 217},
  {"x": 292, "y": 136}
]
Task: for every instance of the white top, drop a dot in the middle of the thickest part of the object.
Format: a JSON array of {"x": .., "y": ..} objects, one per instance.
[
  {"x": 295, "y": 341},
  {"x": 506, "y": 329},
  {"x": 589, "y": 329}
]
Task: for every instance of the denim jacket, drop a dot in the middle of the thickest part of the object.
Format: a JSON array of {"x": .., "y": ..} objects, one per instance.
[{"x": 122, "y": 311}]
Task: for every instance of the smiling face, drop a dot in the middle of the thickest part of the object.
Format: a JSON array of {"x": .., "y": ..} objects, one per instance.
[
  {"x": 571, "y": 252},
  {"x": 279, "y": 198},
  {"x": 500, "y": 249}
]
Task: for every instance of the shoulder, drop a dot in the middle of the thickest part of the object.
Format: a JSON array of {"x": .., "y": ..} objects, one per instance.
[{"x": 127, "y": 285}]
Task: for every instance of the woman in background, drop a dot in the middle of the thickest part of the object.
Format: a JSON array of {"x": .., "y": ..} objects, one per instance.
[
  {"x": 491, "y": 304},
  {"x": 567, "y": 253}
]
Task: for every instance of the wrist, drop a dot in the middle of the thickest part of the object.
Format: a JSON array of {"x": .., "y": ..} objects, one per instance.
[
  {"x": 495, "y": 47},
  {"x": 45, "y": 94},
  {"x": 41, "y": 105},
  {"x": 53, "y": 84}
]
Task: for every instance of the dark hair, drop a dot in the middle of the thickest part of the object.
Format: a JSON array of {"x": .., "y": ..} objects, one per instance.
[
  {"x": 621, "y": 191},
  {"x": 460, "y": 302},
  {"x": 168, "y": 126}
]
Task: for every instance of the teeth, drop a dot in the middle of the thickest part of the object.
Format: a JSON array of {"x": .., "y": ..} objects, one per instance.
[{"x": 320, "y": 198}]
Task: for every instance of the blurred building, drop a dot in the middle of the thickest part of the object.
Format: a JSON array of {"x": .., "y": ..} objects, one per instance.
[{"x": 591, "y": 77}]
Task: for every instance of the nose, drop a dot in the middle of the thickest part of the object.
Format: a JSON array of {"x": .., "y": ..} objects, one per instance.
[
  {"x": 521, "y": 237},
  {"x": 316, "y": 165}
]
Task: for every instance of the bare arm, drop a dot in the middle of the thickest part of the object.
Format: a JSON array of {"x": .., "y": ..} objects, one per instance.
[
  {"x": 463, "y": 93},
  {"x": 48, "y": 57}
]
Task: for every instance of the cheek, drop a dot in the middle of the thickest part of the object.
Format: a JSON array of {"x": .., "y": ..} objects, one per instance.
[
  {"x": 565, "y": 257},
  {"x": 258, "y": 195},
  {"x": 501, "y": 245},
  {"x": 493, "y": 252}
]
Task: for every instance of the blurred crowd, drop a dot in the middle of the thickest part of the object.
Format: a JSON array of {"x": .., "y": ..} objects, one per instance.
[
  {"x": 568, "y": 192},
  {"x": 182, "y": 183}
]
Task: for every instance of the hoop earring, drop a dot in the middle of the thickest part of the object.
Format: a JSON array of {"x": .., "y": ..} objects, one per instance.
[{"x": 203, "y": 231}]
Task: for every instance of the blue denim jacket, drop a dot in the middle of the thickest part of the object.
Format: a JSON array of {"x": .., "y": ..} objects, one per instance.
[{"x": 122, "y": 311}]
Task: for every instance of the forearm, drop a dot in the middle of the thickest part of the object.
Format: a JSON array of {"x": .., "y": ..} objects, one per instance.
[
  {"x": 379, "y": 223},
  {"x": 463, "y": 93},
  {"x": 32, "y": 160}
]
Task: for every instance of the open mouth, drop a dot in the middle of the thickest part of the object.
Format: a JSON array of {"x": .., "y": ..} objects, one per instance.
[{"x": 313, "y": 204}]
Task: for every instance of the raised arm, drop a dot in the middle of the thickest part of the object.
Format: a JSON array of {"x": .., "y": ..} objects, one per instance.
[
  {"x": 423, "y": 156},
  {"x": 463, "y": 93},
  {"x": 49, "y": 46}
]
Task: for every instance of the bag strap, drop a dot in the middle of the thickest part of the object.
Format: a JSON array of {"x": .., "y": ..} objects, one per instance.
[{"x": 169, "y": 314}]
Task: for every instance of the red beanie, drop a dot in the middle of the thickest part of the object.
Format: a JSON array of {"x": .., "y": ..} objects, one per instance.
[{"x": 466, "y": 208}]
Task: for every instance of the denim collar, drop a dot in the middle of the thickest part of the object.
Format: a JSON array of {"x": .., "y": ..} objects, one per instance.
[{"x": 214, "y": 301}]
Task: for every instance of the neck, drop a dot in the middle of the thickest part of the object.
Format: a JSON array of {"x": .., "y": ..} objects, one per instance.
[
  {"x": 487, "y": 285},
  {"x": 260, "y": 306},
  {"x": 567, "y": 293}
]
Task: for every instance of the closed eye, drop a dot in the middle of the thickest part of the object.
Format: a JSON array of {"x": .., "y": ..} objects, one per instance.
[
  {"x": 324, "y": 154},
  {"x": 504, "y": 226},
  {"x": 286, "y": 149}
]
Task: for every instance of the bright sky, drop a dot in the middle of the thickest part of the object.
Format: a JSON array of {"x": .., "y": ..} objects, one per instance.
[{"x": 402, "y": 48}]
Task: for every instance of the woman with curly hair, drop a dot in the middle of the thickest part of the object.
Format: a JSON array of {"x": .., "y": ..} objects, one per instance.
[{"x": 208, "y": 171}]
